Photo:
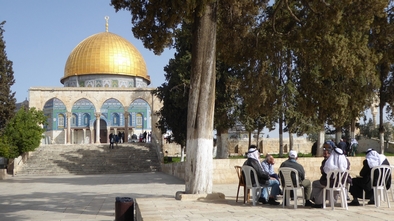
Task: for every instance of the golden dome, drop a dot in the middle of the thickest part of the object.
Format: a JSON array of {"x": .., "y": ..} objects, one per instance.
[{"x": 105, "y": 53}]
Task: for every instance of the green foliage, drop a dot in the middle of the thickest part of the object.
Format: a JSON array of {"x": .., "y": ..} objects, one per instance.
[
  {"x": 333, "y": 64},
  {"x": 7, "y": 100},
  {"x": 23, "y": 132},
  {"x": 172, "y": 160},
  {"x": 174, "y": 93},
  {"x": 370, "y": 131}
]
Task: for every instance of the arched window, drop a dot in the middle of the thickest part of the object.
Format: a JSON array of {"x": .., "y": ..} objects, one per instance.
[
  {"x": 74, "y": 120},
  {"x": 138, "y": 123},
  {"x": 60, "y": 121},
  {"x": 115, "y": 119},
  {"x": 86, "y": 120}
]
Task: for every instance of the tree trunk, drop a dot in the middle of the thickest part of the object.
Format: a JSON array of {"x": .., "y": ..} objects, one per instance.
[
  {"x": 201, "y": 104},
  {"x": 381, "y": 127},
  {"x": 250, "y": 138},
  {"x": 353, "y": 129},
  {"x": 338, "y": 134},
  {"x": 320, "y": 142},
  {"x": 281, "y": 137},
  {"x": 291, "y": 142},
  {"x": 221, "y": 141}
]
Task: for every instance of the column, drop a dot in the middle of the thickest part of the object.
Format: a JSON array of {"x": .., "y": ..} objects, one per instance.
[
  {"x": 72, "y": 136},
  {"x": 84, "y": 136},
  {"x": 126, "y": 126},
  {"x": 91, "y": 140},
  {"x": 97, "y": 114},
  {"x": 65, "y": 135},
  {"x": 108, "y": 132},
  {"x": 69, "y": 115}
]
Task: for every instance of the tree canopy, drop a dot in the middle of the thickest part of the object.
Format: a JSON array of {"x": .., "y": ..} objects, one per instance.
[
  {"x": 23, "y": 133},
  {"x": 7, "y": 97}
]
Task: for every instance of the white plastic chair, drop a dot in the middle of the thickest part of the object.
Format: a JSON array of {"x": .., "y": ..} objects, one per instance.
[
  {"x": 391, "y": 189},
  {"x": 337, "y": 179},
  {"x": 256, "y": 190},
  {"x": 379, "y": 190},
  {"x": 288, "y": 185}
]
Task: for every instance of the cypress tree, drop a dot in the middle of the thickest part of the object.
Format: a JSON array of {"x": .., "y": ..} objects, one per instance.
[{"x": 7, "y": 100}]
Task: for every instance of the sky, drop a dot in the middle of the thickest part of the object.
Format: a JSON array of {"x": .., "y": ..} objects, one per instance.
[{"x": 40, "y": 35}]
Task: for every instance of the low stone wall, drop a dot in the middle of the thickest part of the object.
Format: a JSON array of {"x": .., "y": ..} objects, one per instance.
[
  {"x": 271, "y": 145},
  {"x": 224, "y": 171},
  {"x": 240, "y": 146}
]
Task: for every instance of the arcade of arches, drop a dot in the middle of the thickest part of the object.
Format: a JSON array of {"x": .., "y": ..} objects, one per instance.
[{"x": 74, "y": 118}]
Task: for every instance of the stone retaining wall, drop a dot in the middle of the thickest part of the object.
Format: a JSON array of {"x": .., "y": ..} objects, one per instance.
[{"x": 224, "y": 171}]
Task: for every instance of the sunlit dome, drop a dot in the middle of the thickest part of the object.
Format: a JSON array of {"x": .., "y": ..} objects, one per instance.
[{"x": 105, "y": 54}]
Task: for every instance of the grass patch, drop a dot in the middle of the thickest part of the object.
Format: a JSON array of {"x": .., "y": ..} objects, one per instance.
[{"x": 172, "y": 159}]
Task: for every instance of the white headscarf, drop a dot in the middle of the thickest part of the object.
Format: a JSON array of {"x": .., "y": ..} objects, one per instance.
[
  {"x": 253, "y": 153},
  {"x": 336, "y": 161},
  {"x": 374, "y": 158}
]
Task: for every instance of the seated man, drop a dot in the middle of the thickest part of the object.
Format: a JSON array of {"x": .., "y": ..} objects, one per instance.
[
  {"x": 363, "y": 183},
  {"x": 319, "y": 185},
  {"x": 268, "y": 165},
  {"x": 333, "y": 159},
  {"x": 262, "y": 176},
  {"x": 292, "y": 163}
]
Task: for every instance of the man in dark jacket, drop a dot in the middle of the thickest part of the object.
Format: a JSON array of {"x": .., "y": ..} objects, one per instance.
[
  {"x": 292, "y": 163},
  {"x": 262, "y": 176},
  {"x": 363, "y": 183}
]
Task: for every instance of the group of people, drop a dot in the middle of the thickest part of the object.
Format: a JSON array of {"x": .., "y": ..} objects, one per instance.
[
  {"x": 115, "y": 139},
  {"x": 145, "y": 137},
  {"x": 348, "y": 148},
  {"x": 266, "y": 175},
  {"x": 334, "y": 158}
]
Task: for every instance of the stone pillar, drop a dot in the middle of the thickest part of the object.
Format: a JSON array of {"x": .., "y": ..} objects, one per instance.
[
  {"x": 91, "y": 135},
  {"x": 69, "y": 115},
  {"x": 98, "y": 114},
  {"x": 72, "y": 136},
  {"x": 108, "y": 133},
  {"x": 84, "y": 136},
  {"x": 65, "y": 135},
  {"x": 126, "y": 126}
]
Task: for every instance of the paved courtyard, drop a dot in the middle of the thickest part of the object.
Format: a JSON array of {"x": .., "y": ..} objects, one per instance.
[{"x": 93, "y": 198}]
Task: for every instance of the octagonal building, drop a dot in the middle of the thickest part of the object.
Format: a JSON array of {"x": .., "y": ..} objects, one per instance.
[{"x": 105, "y": 91}]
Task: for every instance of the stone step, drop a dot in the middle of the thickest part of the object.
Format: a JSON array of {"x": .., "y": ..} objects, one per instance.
[{"x": 91, "y": 159}]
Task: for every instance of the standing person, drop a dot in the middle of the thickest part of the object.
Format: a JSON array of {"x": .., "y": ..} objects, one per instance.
[
  {"x": 292, "y": 163},
  {"x": 123, "y": 137},
  {"x": 116, "y": 139},
  {"x": 262, "y": 176},
  {"x": 353, "y": 147},
  {"x": 268, "y": 165},
  {"x": 150, "y": 136},
  {"x": 314, "y": 149},
  {"x": 144, "y": 136},
  {"x": 111, "y": 141},
  {"x": 343, "y": 145},
  {"x": 120, "y": 137},
  {"x": 363, "y": 183}
]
